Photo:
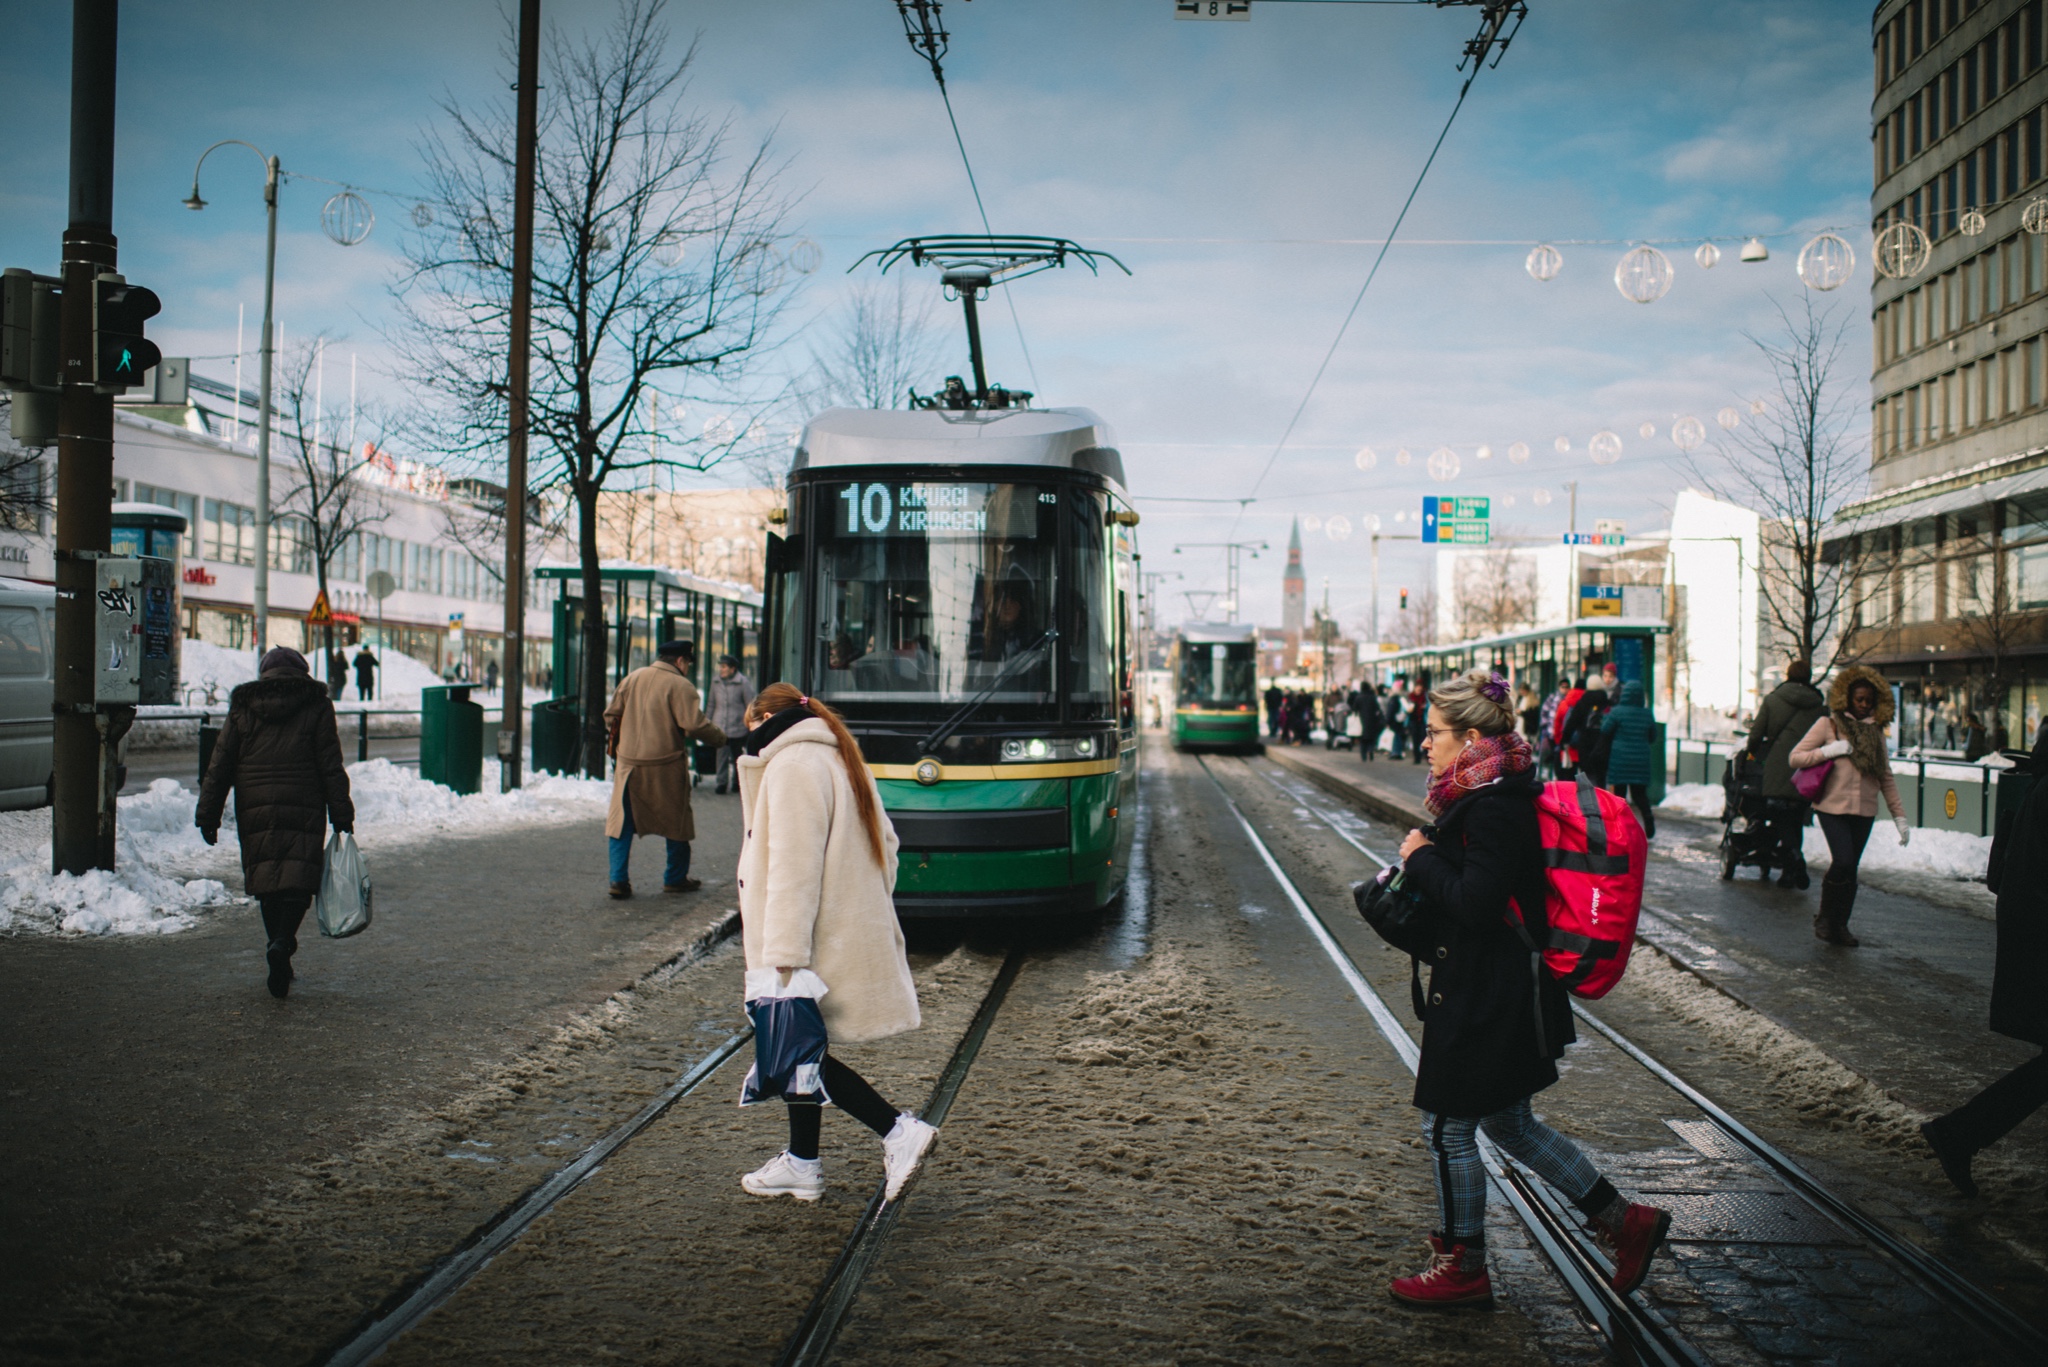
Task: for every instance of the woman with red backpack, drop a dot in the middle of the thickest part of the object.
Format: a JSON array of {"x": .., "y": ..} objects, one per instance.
[{"x": 1494, "y": 1022}]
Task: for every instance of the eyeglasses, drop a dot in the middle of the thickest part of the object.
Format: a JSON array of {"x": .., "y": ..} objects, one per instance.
[{"x": 1443, "y": 731}]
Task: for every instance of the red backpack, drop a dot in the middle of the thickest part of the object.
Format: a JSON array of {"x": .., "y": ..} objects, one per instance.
[{"x": 1594, "y": 854}]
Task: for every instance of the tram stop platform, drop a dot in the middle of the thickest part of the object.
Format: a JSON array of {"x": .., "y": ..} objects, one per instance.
[{"x": 1385, "y": 788}]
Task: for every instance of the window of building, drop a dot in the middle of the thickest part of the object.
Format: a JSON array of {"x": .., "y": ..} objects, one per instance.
[
  {"x": 2030, "y": 576},
  {"x": 188, "y": 504},
  {"x": 228, "y": 533},
  {"x": 1966, "y": 286},
  {"x": 1969, "y": 66},
  {"x": 1916, "y": 593}
]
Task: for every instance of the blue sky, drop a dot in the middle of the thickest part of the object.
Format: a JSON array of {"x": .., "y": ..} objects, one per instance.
[{"x": 1111, "y": 123}]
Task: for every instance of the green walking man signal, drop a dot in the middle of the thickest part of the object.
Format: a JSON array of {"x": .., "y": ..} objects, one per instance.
[{"x": 121, "y": 354}]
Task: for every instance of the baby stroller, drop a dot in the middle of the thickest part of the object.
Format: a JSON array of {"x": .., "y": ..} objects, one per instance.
[{"x": 1747, "y": 817}]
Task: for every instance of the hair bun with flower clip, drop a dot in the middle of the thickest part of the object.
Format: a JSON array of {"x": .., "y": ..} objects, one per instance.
[{"x": 1495, "y": 688}]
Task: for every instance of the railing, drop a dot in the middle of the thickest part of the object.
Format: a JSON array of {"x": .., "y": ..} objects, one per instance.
[{"x": 1939, "y": 794}]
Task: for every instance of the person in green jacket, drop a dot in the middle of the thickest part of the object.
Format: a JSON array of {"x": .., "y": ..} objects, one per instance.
[
  {"x": 1781, "y": 723},
  {"x": 1632, "y": 758}
]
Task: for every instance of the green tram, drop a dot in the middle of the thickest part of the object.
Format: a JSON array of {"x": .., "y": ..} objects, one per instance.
[
  {"x": 1215, "y": 671},
  {"x": 959, "y": 583}
]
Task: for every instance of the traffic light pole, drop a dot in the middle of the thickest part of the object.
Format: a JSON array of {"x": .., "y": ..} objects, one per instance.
[
  {"x": 512, "y": 711},
  {"x": 267, "y": 352},
  {"x": 85, "y": 737}
]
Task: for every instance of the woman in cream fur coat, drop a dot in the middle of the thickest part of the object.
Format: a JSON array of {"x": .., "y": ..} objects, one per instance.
[{"x": 817, "y": 866}]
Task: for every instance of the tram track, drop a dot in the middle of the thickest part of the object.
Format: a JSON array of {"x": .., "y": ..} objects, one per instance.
[{"x": 1641, "y": 1330}]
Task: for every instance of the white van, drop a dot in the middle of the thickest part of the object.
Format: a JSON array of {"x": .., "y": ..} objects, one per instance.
[{"x": 28, "y": 634}]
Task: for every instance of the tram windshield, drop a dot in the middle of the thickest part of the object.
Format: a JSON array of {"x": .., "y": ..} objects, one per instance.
[
  {"x": 1218, "y": 675},
  {"x": 936, "y": 591}
]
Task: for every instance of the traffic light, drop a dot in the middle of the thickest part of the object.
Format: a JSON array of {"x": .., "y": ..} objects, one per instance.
[
  {"x": 1404, "y": 600},
  {"x": 120, "y": 352},
  {"x": 28, "y": 353}
]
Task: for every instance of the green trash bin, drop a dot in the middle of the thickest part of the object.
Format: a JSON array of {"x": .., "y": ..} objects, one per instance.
[
  {"x": 452, "y": 738},
  {"x": 557, "y": 733}
]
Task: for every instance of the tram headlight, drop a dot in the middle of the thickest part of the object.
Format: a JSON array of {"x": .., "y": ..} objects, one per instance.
[
  {"x": 1013, "y": 749},
  {"x": 1085, "y": 747}
]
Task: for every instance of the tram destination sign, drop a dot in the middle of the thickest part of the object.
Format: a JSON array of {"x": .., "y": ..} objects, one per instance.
[
  {"x": 938, "y": 509},
  {"x": 1457, "y": 521}
]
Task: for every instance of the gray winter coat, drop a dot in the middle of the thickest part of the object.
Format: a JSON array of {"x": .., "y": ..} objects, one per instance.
[{"x": 729, "y": 699}]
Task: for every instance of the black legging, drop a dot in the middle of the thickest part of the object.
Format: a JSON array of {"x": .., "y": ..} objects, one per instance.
[
  {"x": 1846, "y": 837},
  {"x": 1639, "y": 795},
  {"x": 1994, "y": 1112},
  {"x": 851, "y": 1093}
]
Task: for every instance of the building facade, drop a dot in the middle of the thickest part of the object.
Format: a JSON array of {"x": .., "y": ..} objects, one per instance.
[{"x": 1946, "y": 558}]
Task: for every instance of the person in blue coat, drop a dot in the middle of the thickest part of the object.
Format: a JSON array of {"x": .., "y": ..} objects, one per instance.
[{"x": 1630, "y": 730}]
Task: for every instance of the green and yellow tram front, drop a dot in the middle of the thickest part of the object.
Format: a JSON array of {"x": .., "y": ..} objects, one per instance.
[
  {"x": 973, "y": 626},
  {"x": 1216, "y": 680}
]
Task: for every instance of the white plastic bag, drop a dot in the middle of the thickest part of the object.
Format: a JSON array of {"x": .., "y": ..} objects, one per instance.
[{"x": 344, "y": 902}]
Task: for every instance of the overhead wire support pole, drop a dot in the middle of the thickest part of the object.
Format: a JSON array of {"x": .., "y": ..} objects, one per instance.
[
  {"x": 512, "y": 706},
  {"x": 1490, "y": 39}
]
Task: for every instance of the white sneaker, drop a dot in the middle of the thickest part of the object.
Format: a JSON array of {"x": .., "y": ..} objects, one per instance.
[
  {"x": 783, "y": 1175},
  {"x": 903, "y": 1151}
]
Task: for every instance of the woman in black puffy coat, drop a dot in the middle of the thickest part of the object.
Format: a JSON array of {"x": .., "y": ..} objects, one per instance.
[{"x": 1494, "y": 1020}]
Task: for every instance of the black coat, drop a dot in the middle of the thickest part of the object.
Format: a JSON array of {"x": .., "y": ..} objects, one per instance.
[
  {"x": 280, "y": 752},
  {"x": 1781, "y": 723},
  {"x": 1482, "y": 1049},
  {"x": 2019, "y": 875}
]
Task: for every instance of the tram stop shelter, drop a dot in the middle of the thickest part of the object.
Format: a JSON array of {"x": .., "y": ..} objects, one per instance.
[{"x": 1541, "y": 658}]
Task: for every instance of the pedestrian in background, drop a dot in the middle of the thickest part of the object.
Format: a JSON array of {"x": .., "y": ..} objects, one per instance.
[
  {"x": 1301, "y": 716},
  {"x": 1416, "y": 716},
  {"x": 337, "y": 673},
  {"x": 653, "y": 713},
  {"x": 1546, "y": 731},
  {"x": 816, "y": 877},
  {"x": 281, "y": 754},
  {"x": 731, "y": 692},
  {"x": 1566, "y": 762},
  {"x": 1372, "y": 719},
  {"x": 1582, "y": 736},
  {"x": 1493, "y": 1030},
  {"x": 490, "y": 676},
  {"x": 1629, "y": 737},
  {"x": 1852, "y": 738},
  {"x": 366, "y": 674},
  {"x": 1396, "y": 708},
  {"x": 1529, "y": 708},
  {"x": 2019, "y": 986},
  {"x": 1781, "y": 723},
  {"x": 1275, "y": 700}
]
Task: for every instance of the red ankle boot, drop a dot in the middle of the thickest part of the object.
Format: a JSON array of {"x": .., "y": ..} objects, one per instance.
[
  {"x": 1632, "y": 1244},
  {"x": 1456, "y": 1276}
]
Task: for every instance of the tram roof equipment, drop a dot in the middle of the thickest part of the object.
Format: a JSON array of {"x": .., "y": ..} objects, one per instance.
[
  {"x": 1064, "y": 438},
  {"x": 1219, "y": 633}
]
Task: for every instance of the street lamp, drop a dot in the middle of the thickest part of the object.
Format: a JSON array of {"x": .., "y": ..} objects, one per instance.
[{"x": 195, "y": 203}]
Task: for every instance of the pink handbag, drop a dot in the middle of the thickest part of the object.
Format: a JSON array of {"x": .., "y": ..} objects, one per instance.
[{"x": 1811, "y": 781}]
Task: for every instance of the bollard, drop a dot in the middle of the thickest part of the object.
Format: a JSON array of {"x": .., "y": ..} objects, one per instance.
[{"x": 362, "y": 737}]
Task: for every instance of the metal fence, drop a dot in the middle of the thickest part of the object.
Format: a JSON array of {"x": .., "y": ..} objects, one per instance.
[{"x": 1940, "y": 794}]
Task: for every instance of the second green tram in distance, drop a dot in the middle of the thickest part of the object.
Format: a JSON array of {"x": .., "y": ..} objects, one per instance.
[
  {"x": 960, "y": 584},
  {"x": 1215, "y": 672}
]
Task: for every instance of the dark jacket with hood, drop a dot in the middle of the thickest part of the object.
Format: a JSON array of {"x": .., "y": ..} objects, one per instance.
[
  {"x": 1781, "y": 723},
  {"x": 279, "y": 750},
  {"x": 1482, "y": 1048},
  {"x": 2019, "y": 875},
  {"x": 1631, "y": 738}
]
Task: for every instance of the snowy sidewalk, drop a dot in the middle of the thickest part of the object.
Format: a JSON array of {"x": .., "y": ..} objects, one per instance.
[{"x": 167, "y": 877}]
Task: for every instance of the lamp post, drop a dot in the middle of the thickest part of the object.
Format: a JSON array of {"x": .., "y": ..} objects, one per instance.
[{"x": 267, "y": 350}]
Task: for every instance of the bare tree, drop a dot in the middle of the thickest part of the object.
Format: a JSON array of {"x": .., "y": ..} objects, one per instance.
[
  {"x": 656, "y": 267},
  {"x": 1416, "y": 624},
  {"x": 1797, "y": 462},
  {"x": 884, "y": 345},
  {"x": 25, "y": 485},
  {"x": 1496, "y": 592},
  {"x": 325, "y": 501}
]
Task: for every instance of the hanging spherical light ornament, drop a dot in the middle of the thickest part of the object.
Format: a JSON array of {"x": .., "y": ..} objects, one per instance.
[
  {"x": 1544, "y": 262},
  {"x": 1366, "y": 458},
  {"x": 804, "y": 256},
  {"x": 1507, "y": 500},
  {"x": 678, "y": 411},
  {"x": 1444, "y": 463},
  {"x": 1971, "y": 223},
  {"x": 1401, "y": 457},
  {"x": 719, "y": 430},
  {"x": 669, "y": 249},
  {"x": 2034, "y": 218},
  {"x": 1708, "y": 255},
  {"x": 1605, "y": 448},
  {"x": 1338, "y": 527},
  {"x": 1901, "y": 251},
  {"x": 1401, "y": 516},
  {"x": 1484, "y": 453},
  {"x": 1643, "y": 275},
  {"x": 1730, "y": 418},
  {"x": 347, "y": 218},
  {"x": 1758, "y": 407},
  {"x": 1687, "y": 433},
  {"x": 1755, "y": 250},
  {"x": 1518, "y": 454},
  {"x": 1311, "y": 524},
  {"x": 1562, "y": 445},
  {"x": 1371, "y": 522},
  {"x": 1647, "y": 430},
  {"x": 422, "y": 215},
  {"x": 1541, "y": 498},
  {"x": 1827, "y": 262}
]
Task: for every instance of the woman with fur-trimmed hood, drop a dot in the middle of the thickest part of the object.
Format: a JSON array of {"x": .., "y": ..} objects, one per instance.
[
  {"x": 817, "y": 877},
  {"x": 280, "y": 753},
  {"x": 1851, "y": 737}
]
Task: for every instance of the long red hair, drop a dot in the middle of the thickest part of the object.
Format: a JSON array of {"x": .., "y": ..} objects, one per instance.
[{"x": 779, "y": 697}]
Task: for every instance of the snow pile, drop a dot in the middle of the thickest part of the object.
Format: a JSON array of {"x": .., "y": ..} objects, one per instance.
[
  {"x": 150, "y": 892},
  {"x": 1702, "y": 800},
  {"x": 1944, "y": 854},
  {"x": 212, "y": 672}
]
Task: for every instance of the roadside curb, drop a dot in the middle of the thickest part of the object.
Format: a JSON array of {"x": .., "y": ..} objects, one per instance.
[{"x": 1375, "y": 804}]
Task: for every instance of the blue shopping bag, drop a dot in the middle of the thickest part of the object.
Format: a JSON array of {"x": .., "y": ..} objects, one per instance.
[{"x": 789, "y": 1040}]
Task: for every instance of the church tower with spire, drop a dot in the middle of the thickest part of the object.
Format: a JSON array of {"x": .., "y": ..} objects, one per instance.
[{"x": 1293, "y": 598}]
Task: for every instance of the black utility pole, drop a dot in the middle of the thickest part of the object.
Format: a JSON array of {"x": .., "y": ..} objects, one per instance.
[
  {"x": 519, "y": 378},
  {"x": 82, "y": 826}
]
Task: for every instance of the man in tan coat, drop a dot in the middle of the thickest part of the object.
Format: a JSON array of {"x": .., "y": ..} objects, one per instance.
[{"x": 653, "y": 712}]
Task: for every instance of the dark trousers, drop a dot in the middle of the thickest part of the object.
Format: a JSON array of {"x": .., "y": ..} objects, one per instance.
[
  {"x": 728, "y": 767},
  {"x": 282, "y": 914},
  {"x": 1846, "y": 837},
  {"x": 1992, "y": 1114},
  {"x": 851, "y": 1093},
  {"x": 363, "y": 687},
  {"x": 1785, "y": 841},
  {"x": 1638, "y": 795}
]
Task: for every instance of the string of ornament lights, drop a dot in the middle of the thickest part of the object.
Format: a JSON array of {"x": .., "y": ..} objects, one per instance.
[{"x": 1645, "y": 274}]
